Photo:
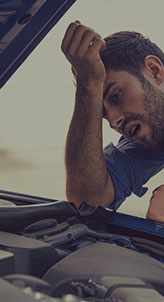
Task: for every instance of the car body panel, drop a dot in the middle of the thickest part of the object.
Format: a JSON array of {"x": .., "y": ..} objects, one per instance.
[{"x": 23, "y": 25}]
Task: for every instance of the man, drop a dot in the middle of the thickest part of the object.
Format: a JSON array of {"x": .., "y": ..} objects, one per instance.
[{"x": 120, "y": 78}]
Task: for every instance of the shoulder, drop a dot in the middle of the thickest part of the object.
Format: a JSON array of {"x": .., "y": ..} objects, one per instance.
[
  {"x": 124, "y": 147},
  {"x": 137, "y": 151}
]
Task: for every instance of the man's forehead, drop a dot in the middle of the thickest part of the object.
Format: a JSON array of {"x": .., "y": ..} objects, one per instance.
[
  {"x": 113, "y": 75},
  {"x": 121, "y": 76},
  {"x": 112, "y": 78}
]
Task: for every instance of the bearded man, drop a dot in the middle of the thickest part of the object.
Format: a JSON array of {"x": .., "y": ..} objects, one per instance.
[{"x": 119, "y": 78}]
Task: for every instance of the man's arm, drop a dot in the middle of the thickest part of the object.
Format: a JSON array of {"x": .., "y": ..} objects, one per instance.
[
  {"x": 87, "y": 177},
  {"x": 156, "y": 207}
]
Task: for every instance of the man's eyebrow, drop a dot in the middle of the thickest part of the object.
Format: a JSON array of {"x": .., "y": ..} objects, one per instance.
[{"x": 108, "y": 87}]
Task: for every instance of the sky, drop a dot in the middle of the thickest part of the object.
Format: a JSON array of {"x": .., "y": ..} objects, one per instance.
[{"x": 37, "y": 102}]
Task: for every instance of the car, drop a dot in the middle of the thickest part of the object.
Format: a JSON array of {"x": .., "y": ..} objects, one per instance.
[{"x": 50, "y": 250}]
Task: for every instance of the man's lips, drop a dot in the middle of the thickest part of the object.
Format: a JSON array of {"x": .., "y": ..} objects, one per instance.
[{"x": 132, "y": 131}]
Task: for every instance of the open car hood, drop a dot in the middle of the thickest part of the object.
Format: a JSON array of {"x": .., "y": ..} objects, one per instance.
[
  {"x": 23, "y": 24},
  {"x": 51, "y": 251}
]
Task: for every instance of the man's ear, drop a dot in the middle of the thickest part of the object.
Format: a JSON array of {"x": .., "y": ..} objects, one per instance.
[{"x": 154, "y": 67}]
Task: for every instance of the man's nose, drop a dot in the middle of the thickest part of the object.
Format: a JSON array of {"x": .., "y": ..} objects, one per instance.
[{"x": 116, "y": 120}]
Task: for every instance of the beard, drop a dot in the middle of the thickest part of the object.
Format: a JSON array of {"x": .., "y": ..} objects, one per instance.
[{"x": 154, "y": 114}]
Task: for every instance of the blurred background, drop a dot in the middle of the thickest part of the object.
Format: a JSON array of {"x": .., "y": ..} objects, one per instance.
[{"x": 36, "y": 104}]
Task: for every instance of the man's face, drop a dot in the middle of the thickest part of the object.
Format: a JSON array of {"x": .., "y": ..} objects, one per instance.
[{"x": 134, "y": 109}]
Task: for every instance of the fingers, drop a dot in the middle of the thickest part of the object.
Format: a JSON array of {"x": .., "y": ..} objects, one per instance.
[
  {"x": 97, "y": 45},
  {"x": 80, "y": 39},
  {"x": 68, "y": 36},
  {"x": 81, "y": 46}
]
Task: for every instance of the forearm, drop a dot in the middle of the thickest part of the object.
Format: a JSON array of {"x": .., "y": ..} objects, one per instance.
[{"x": 87, "y": 176}]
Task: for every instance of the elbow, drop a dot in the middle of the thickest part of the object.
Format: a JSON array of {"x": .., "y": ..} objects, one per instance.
[
  {"x": 97, "y": 196},
  {"x": 72, "y": 196}
]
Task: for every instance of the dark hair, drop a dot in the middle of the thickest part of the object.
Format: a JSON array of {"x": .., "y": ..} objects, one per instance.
[{"x": 126, "y": 50}]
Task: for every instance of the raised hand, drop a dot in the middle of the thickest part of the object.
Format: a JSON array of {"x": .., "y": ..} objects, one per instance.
[{"x": 81, "y": 46}]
